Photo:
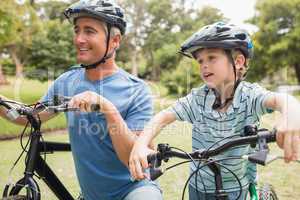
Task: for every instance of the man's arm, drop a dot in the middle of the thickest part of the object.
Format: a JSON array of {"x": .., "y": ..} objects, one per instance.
[{"x": 22, "y": 120}]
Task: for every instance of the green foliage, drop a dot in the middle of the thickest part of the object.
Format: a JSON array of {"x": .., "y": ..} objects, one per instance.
[
  {"x": 183, "y": 78},
  {"x": 52, "y": 51},
  {"x": 22, "y": 90},
  {"x": 277, "y": 43}
]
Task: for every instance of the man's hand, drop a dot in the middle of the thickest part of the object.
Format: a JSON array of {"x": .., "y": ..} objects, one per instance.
[{"x": 85, "y": 101}]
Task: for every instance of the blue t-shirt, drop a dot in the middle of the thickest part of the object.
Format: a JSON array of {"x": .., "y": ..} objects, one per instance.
[{"x": 101, "y": 174}]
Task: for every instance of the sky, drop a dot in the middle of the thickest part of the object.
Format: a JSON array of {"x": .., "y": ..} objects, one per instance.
[{"x": 236, "y": 10}]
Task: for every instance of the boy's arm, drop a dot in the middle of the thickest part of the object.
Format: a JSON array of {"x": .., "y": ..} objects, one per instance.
[
  {"x": 140, "y": 150},
  {"x": 288, "y": 127}
]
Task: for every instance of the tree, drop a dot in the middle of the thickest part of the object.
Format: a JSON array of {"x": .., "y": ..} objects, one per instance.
[
  {"x": 52, "y": 50},
  {"x": 167, "y": 30},
  {"x": 277, "y": 43},
  {"x": 131, "y": 48},
  {"x": 5, "y": 36},
  {"x": 21, "y": 22}
]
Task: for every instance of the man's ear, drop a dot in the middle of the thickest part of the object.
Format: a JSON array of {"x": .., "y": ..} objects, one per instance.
[{"x": 115, "y": 41}]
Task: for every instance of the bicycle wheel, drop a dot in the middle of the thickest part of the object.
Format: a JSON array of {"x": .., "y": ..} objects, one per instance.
[
  {"x": 22, "y": 191},
  {"x": 15, "y": 197},
  {"x": 267, "y": 192}
]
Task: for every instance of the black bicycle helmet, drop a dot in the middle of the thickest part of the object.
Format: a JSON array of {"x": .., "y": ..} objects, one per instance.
[
  {"x": 104, "y": 10},
  {"x": 219, "y": 35}
]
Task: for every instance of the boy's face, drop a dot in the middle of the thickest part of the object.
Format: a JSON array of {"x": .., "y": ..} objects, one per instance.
[
  {"x": 89, "y": 40},
  {"x": 215, "y": 68}
]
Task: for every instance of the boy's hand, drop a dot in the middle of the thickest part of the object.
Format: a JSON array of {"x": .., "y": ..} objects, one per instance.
[
  {"x": 138, "y": 160},
  {"x": 288, "y": 138}
]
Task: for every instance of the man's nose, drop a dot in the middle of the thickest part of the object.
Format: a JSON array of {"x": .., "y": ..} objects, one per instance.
[{"x": 79, "y": 38}]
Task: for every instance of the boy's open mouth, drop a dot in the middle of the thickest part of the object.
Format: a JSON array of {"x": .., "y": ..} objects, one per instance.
[{"x": 207, "y": 74}]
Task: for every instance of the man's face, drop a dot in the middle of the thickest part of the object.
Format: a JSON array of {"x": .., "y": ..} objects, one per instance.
[{"x": 89, "y": 40}]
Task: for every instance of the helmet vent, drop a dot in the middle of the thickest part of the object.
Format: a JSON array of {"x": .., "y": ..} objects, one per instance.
[
  {"x": 222, "y": 29},
  {"x": 241, "y": 36}
]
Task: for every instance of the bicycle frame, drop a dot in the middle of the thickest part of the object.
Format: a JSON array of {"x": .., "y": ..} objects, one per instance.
[{"x": 35, "y": 163}]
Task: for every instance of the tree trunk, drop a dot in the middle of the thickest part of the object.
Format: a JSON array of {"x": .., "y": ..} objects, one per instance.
[
  {"x": 2, "y": 77},
  {"x": 134, "y": 69},
  {"x": 297, "y": 69},
  {"x": 155, "y": 69},
  {"x": 19, "y": 65}
]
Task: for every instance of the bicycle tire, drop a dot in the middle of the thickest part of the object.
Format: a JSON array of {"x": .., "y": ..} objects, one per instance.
[
  {"x": 32, "y": 190},
  {"x": 15, "y": 197},
  {"x": 267, "y": 192}
]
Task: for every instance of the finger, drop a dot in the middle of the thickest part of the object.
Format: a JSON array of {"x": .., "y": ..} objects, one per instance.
[
  {"x": 280, "y": 139},
  {"x": 287, "y": 146},
  {"x": 144, "y": 162},
  {"x": 152, "y": 145},
  {"x": 138, "y": 170},
  {"x": 74, "y": 102},
  {"x": 132, "y": 169},
  {"x": 87, "y": 107},
  {"x": 295, "y": 146},
  {"x": 82, "y": 106}
]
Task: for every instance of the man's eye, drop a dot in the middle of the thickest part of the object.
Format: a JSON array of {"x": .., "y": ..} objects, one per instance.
[{"x": 90, "y": 31}]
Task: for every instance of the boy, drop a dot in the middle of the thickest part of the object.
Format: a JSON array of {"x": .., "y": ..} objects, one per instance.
[{"x": 222, "y": 107}]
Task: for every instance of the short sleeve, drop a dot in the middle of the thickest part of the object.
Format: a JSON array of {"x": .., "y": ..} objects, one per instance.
[
  {"x": 259, "y": 95},
  {"x": 140, "y": 110},
  {"x": 183, "y": 109},
  {"x": 57, "y": 88}
]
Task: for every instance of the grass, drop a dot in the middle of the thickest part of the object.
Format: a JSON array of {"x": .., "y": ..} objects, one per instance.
[
  {"x": 61, "y": 163},
  {"x": 27, "y": 91},
  {"x": 285, "y": 178}
]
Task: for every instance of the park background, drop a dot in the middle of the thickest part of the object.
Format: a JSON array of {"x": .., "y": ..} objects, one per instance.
[{"x": 36, "y": 47}]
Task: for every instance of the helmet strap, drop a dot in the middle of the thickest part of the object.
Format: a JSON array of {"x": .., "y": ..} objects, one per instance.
[
  {"x": 106, "y": 55},
  {"x": 218, "y": 103}
]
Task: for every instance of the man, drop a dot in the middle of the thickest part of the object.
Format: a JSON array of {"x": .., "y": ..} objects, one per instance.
[{"x": 101, "y": 141}]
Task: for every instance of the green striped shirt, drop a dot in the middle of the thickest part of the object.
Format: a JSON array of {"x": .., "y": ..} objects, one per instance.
[{"x": 210, "y": 126}]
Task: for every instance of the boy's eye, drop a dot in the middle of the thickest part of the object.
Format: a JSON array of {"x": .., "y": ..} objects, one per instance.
[{"x": 211, "y": 57}]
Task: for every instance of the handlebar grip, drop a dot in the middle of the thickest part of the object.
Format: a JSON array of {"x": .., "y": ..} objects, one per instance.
[
  {"x": 155, "y": 163},
  {"x": 151, "y": 158},
  {"x": 95, "y": 107},
  {"x": 155, "y": 173}
]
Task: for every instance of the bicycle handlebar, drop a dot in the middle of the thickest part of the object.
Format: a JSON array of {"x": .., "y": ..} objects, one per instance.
[
  {"x": 260, "y": 137},
  {"x": 59, "y": 104}
]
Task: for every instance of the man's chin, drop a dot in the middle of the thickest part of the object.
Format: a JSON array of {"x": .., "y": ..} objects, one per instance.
[{"x": 83, "y": 61}]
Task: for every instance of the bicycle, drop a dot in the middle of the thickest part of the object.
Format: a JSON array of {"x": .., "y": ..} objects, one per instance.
[
  {"x": 34, "y": 162},
  {"x": 251, "y": 136}
]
